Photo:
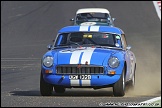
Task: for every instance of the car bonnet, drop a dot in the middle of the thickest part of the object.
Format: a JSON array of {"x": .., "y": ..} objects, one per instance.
[{"x": 92, "y": 56}]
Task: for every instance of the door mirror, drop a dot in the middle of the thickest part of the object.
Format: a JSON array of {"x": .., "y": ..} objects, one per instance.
[
  {"x": 72, "y": 19},
  {"x": 49, "y": 47},
  {"x": 113, "y": 19},
  {"x": 128, "y": 47}
]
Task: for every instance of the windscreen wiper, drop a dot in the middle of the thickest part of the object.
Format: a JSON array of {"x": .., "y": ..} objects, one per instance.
[
  {"x": 75, "y": 43},
  {"x": 108, "y": 47}
]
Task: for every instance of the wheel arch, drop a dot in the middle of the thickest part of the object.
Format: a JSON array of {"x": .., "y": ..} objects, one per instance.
[{"x": 125, "y": 66}]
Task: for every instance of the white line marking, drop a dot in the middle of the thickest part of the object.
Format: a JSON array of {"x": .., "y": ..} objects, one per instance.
[
  {"x": 158, "y": 10},
  {"x": 16, "y": 15},
  {"x": 8, "y": 67},
  {"x": 148, "y": 101},
  {"x": 152, "y": 100},
  {"x": 20, "y": 58}
]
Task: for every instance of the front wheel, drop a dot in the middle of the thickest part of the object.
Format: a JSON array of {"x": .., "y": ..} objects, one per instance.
[
  {"x": 46, "y": 89},
  {"x": 119, "y": 86}
]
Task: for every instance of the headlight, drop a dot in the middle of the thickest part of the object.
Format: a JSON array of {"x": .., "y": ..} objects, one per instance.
[
  {"x": 48, "y": 61},
  {"x": 113, "y": 62}
]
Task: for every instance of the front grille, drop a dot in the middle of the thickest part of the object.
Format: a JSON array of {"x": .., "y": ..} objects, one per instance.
[{"x": 82, "y": 69}]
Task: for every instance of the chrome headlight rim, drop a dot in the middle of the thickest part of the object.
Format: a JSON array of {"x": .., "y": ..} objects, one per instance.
[
  {"x": 115, "y": 60},
  {"x": 48, "y": 61}
]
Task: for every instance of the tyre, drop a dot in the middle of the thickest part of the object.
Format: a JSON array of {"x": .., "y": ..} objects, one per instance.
[
  {"x": 59, "y": 89},
  {"x": 46, "y": 89},
  {"x": 119, "y": 86}
]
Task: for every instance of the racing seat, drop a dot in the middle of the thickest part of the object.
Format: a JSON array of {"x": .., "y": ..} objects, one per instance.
[{"x": 75, "y": 39}]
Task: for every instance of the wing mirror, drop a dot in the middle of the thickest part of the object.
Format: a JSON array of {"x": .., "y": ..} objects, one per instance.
[
  {"x": 113, "y": 19},
  {"x": 128, "y": 47},
  {"x": 49, "y": 47},
  {"x": 72, "y": 19}
]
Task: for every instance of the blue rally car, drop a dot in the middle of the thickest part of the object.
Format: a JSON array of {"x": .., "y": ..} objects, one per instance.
[{"x": 88, "y": 57}]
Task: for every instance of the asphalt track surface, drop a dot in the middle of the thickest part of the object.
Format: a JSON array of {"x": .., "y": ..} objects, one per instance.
[{"x": 27, "y": 27}]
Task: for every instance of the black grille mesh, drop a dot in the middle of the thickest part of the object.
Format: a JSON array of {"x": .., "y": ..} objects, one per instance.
[{"x": 82, "y": 69}]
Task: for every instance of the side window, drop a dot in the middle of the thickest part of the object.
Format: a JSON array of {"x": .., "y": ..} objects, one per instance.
[{"x": 124, "y": 42}]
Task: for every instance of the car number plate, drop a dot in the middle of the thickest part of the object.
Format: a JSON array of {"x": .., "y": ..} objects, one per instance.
[{"x": 83, "y": 77}]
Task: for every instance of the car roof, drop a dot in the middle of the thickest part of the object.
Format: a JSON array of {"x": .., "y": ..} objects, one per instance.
[
  {"x": 88, "y": 10},
  {"x": 108, "y": 29}
]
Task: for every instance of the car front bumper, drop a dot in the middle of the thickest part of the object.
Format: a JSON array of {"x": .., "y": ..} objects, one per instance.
[{"x": 95, "y": 81}]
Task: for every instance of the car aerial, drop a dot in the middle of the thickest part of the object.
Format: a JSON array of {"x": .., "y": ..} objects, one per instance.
[
  {"x": 93, "y": 16},
  {"x": 88, "y": 57}
]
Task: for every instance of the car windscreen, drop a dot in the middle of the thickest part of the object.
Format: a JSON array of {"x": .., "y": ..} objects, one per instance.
[
  {"x": 88, "y": 38},
  {"x": 92, "y": 17}
]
